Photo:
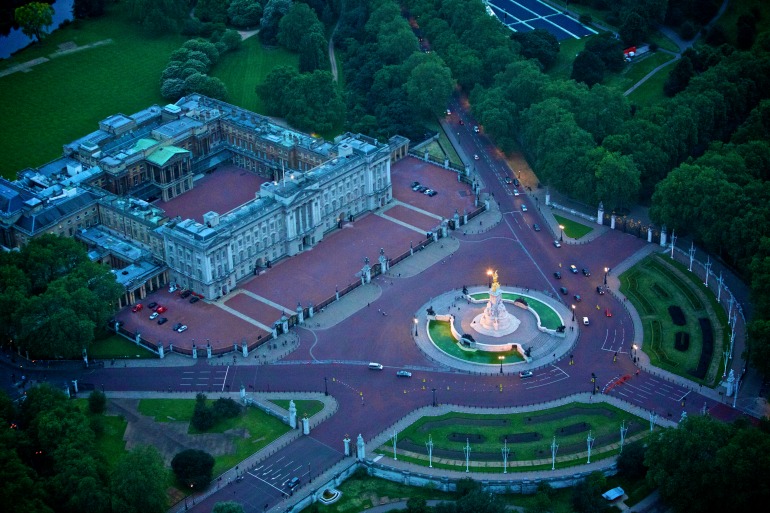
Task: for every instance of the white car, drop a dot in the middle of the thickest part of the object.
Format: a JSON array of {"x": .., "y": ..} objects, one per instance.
[
  {"x": 404, "y": 374},
  {"x": 476, "y": 129},
  {"x": 154, "y": 315},
  {"x": 525, "y": 374},
  {"x": 475, "y": 157},
  {"x": 181, "y": 328},
  {"x": 585, "y": 321},
  {"x": 516, "y": 192},
  {"x": 523, "y": 208},
  {"x": 557, "y": 243}
]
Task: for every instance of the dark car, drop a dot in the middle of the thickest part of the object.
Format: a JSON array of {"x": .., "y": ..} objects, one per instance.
[
  {"x": 414, "y": 184},
  {"x": 186, "y": 293},
  {"x": 422, "y": 188},
  {"x": 536, "y": 227},
  {"x": 564, "y": 290},
  {"x": 163, "y": 320},
  {"x": 557, "y": 275},
  {"x": 291, "y": 485},
  {"x": 600, "y": 289},
  {"x": 586, "y": 272},
  {"x": 177, "y": 326},
  {"x": 578, "y": 298},
  {"x": 516, "y": 182},
  {"x": 431, "y": 193},
  {"x": 194, "y": 299},
  {"x": 152, "y": 305}
]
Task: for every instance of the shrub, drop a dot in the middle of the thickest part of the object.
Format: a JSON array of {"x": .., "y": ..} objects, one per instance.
[
  {"x": 97, "y": 402},
  {"x": 677, "y": 315},
  {"x": 203, "y": 417},
  {"x": 226, "y": 408}
]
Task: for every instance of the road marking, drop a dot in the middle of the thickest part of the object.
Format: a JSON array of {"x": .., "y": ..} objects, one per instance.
[{"x": 223, "y": 382}]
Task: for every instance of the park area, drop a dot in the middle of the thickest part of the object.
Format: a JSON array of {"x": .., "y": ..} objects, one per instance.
[
  {"x": 685, "y": 332},
  {"x": 528, "y": 435}
]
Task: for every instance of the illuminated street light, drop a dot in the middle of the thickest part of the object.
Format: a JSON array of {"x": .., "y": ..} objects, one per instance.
[
  {"x": 489, "y": 273},
  {"x": 573, "y": 313},
  {"x": 415, "y": 326},
  {"x": 501, "y": 358},
  {"x": 606, "y": 270},
  {"x": 561, "y": 236}
]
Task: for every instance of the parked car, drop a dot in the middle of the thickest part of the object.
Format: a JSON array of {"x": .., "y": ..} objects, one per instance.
[
  {"x": 427, "y": 192},
  {"x": 152, "y": 305},
  {"x": 161, "y": 309},
  {"x": 415, "y": 184},
  {"x": 523, "y": 207},
  {"x": 586, "y": 272},
  {"x": 186, "y": 293},
  {"x": 404, "y": 374},
  {"x": 557, "y": 275},
  {"x": 194, "y": 299},
  {"x": 177, "y": 326},
  {"x": 416, "y": 187},
  {"x": 525, "y": 374},
  {"x": 516, "y": 182},
  {"x": 431, "y": 193},
  {"x": 578, "y": 298},
  {"x": 154, "y": 315},
  {"x": 163, "y": 320},
  {"x": 182, "y": 328},
  {"x": 557, "y": 244},
  {"x": 564, "y": 290},
  {"x": 536, "y": 227},
  {"x": 573, "y": 269},
  {"x": 422, "y": 188},
  {"x": 137, "y": 307}
]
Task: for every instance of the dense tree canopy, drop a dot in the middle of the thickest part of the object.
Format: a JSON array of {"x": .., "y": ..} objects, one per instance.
[
  {"x": 34, "y": 18},
  {"x": 57, "y": 298}
]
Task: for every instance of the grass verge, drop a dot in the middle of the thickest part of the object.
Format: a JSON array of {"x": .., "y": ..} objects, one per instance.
[
  {"x": 116, "y": 347},
  {"x": 573, "y": 229},
  {"x": 441, "y": 335},
  {"x": 304, "y": 407}
]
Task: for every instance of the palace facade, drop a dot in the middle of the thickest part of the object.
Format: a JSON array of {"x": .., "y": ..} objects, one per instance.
[{"x": 107, "y": 187}]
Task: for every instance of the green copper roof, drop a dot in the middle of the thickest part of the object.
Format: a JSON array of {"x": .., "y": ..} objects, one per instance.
[
  {"x": 143, "y": 144},
  {"x": 162, "y": 155}
]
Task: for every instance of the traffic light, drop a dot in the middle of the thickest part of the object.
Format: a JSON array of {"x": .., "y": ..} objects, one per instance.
[{"x": 593, "y": 378}]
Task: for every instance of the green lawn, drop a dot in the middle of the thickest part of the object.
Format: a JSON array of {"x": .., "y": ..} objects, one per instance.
[
  {"x": 568, "y": 50},
  {"x": 243, "y": 69},
  {"x": 261, "y": 427},
  {"x": 650, "y": 93},
  {"x": 117, "y": 347},
  {"x": 573, "y": 229},
  {"x": 441, "y": 335},
  {"x": 65, "y": 98},
  {"x": 636, "y": 70},
  {"x": 529, "y": 436},
  {"x": 304, "y": 407},
  {"x": 653, "y": 286}
]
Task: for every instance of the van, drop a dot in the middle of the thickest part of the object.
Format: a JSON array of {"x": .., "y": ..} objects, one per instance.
[{"x": 375, "y": 366}]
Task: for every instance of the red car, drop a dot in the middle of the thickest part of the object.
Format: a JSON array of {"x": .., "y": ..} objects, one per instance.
[
  {"x": 161, "y": 309},
  {"x": 137, "y": 307}
]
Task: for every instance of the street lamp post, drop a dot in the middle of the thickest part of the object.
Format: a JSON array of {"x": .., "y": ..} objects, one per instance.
[
  {"x": 434, "y": 396},
  {"x": 501, "y": 358},
  {"x": 489, "y": 273},
  {"x": 573, "y": 313},
  {"x": 415, "y": 325},
  {"x": 606, "y": 270},
  {"x": 561, "y": 236},
  {"x": 326, "y": 386},
  {"x": 634, "y": 347}
]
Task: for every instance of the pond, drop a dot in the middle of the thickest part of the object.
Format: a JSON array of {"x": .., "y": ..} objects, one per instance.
[{"x": 16, "y": 40}]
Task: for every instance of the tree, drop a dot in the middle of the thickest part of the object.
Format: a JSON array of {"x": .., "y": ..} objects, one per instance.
[
  {"x": 538, "y": 44},
  {"x": 679, "y": 77},
  {"x": 33, "y": 19},
  {"x": 193, "y": 468},
  {"x": 97, "y": 402},
  {"x": 313, "y": 52},
  {"x": 588, "y": 68},
  {"x": 617, "y": 179},
  {"x": 227, "y": 507},
  {"x": 139, "y": 482},
  {"x": 633, "y": 29},
  {"x": 214, "y": 11},
  {"x": 159, "y": 16},
  {"x": 203, "y": 417},
  {"x": 587, "y": 498},
  {"x": 232, "y": 39},
  {"x": 631, "y": 461},
  {"x": 244, "y": 13},
  {"x": 83, "y": 9},
  {"x": 429, "y": 86},
  {"x": 273, "y": 89},
  {"x": 271, "y": 16},
  {"x": 608, "y": 49},
  {"x": 299, "y": 21}
]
